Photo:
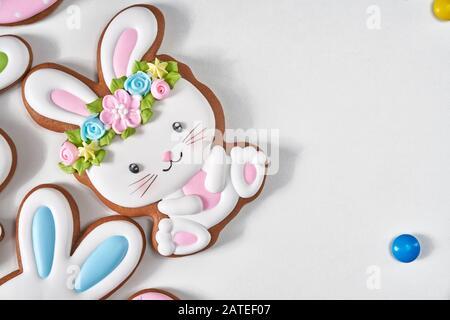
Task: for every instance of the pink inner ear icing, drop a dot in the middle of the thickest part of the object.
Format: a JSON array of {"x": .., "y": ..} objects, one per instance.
[
  {"x": 196, "y": 186},
  {"x": 184, "y": 238},
  {"x": 12, "y": 11},
  {"x": 122, "y": 53},
  {"x": 249, "y": 173},
  {"x": 69, "y": 102},
  {"x": 152, "y": 296}
]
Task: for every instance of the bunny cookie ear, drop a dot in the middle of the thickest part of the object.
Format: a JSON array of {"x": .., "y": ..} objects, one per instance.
[
  {"x": 56, "y": 97},
  {"x": 8, "y": 159},
  {"x": 107, "y": 256},
  {"x": 133, "y": 33},
  {"x": 15, "y": 60},
  {"x": 57, "y": 265},
  {"x": 46, "y": 223}
]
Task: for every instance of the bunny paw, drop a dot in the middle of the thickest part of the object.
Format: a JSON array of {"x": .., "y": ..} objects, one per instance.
[
  {"x": 178, "y": 236},
  {"x": 248, "y": 170},
  {"x": 166, "y": 246}
]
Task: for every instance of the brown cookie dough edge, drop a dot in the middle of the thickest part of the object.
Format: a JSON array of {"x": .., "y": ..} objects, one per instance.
[
  {"x": 14, "y": 159},
  {"x": 153, "y": 291}
]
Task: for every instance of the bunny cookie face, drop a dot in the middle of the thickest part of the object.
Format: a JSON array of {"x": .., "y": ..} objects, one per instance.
[
  {"x": 15, "y": 60},
  {"x": 161, "y": 156},
  {"x": 143, "y": 137},
  {"x": 18, "y": 12},
  {"x": 56, "y": 263}
]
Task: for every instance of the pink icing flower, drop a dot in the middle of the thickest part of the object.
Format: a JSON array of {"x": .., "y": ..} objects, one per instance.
[
  {"x": 160, "y": 89},
  {"x": 121, "y": 111},
  {"x": 68, "y": 153}
]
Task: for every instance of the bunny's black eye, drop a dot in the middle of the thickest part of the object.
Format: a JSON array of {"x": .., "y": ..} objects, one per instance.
[
  {"x": 134, "y": 168},
  {"x": 177, "y": 126}
]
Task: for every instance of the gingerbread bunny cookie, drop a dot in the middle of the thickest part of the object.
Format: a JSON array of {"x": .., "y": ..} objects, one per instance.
[
  {"x": 143, "y": 137},
  {"x": 55, "y": 262},
  {"x": 19, "y": 12}
]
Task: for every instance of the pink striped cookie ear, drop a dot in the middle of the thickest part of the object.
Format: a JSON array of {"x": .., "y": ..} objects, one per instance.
[
  {"x": 19, "y": 12},
  {"x": 134, "y": 33},
  {"x": 56, "y": 97}
]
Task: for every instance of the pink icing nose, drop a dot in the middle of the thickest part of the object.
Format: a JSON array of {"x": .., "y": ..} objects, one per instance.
[{"x": 167, "y": 156}]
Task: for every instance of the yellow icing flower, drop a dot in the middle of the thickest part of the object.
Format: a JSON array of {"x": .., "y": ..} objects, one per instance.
[
  {"x": 88, "y": 150},
  {"x": 158, "y": 69}
]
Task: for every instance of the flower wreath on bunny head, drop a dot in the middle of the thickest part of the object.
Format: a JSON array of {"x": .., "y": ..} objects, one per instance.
[{"x": 132, "y": 136}]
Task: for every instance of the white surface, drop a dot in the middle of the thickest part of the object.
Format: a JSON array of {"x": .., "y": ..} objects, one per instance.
[{"x": 365, "y": 153}]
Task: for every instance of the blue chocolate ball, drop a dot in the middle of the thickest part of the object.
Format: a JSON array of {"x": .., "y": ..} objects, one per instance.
[{"x": 405, "y": 248}]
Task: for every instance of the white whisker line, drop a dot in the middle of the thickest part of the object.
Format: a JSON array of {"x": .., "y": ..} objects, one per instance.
[
  {"x": 154, "y": 179},
  {"x": 139, "y": 180},
  {"x": 190, "y": 133},
  {"x": 143, "y": 185}
]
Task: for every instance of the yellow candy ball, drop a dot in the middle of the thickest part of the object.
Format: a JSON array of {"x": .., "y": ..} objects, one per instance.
[{"x": 441, "y": 9}]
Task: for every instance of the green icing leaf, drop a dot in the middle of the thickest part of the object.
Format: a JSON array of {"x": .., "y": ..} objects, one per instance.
[
  {"x": 66, "y": 169},
  {"x": 117, "y": 84},
  {"x": 172, "y": 66},
  {"x": 146, "y": 115},
  {"x": 81, "y": 165},
  {"x": 99, "y": 157},
  {"x": 128, "y": 133},
  {"x": 172, "y": 78},
  {"x": 147, "y": 102},
  {"x": 140, "y": 66},
  {"x": 3, "y": 61},
  {"x": 96, "y": 106},
  {"x": 74, "y": 137},
  {"x": 107, "y": 138}
]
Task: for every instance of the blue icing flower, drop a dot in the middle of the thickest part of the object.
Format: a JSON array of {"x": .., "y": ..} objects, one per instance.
[
  {"x": 138, "y": 84},
  {"x": 92, "y": 129}
]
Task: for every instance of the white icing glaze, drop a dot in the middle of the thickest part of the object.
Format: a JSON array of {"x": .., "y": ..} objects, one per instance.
[
  {"x": 240, "y": 157},
  {"x": 144, "y": 22},
  {"x": 57, "y": 284},
  {"x": 211, "y": 217},
  {"x": 216, "y": 167},
  {"x": 18, "y": 60},
  {"x": 182, "y": 206},
  {"x": 114, "y": 180},
  {"x": 40, "y": 85},
  {"x": 6, "y": 159}
]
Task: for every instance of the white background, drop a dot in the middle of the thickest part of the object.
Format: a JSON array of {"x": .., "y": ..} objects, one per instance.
[{"x": 365, "y": 154}]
